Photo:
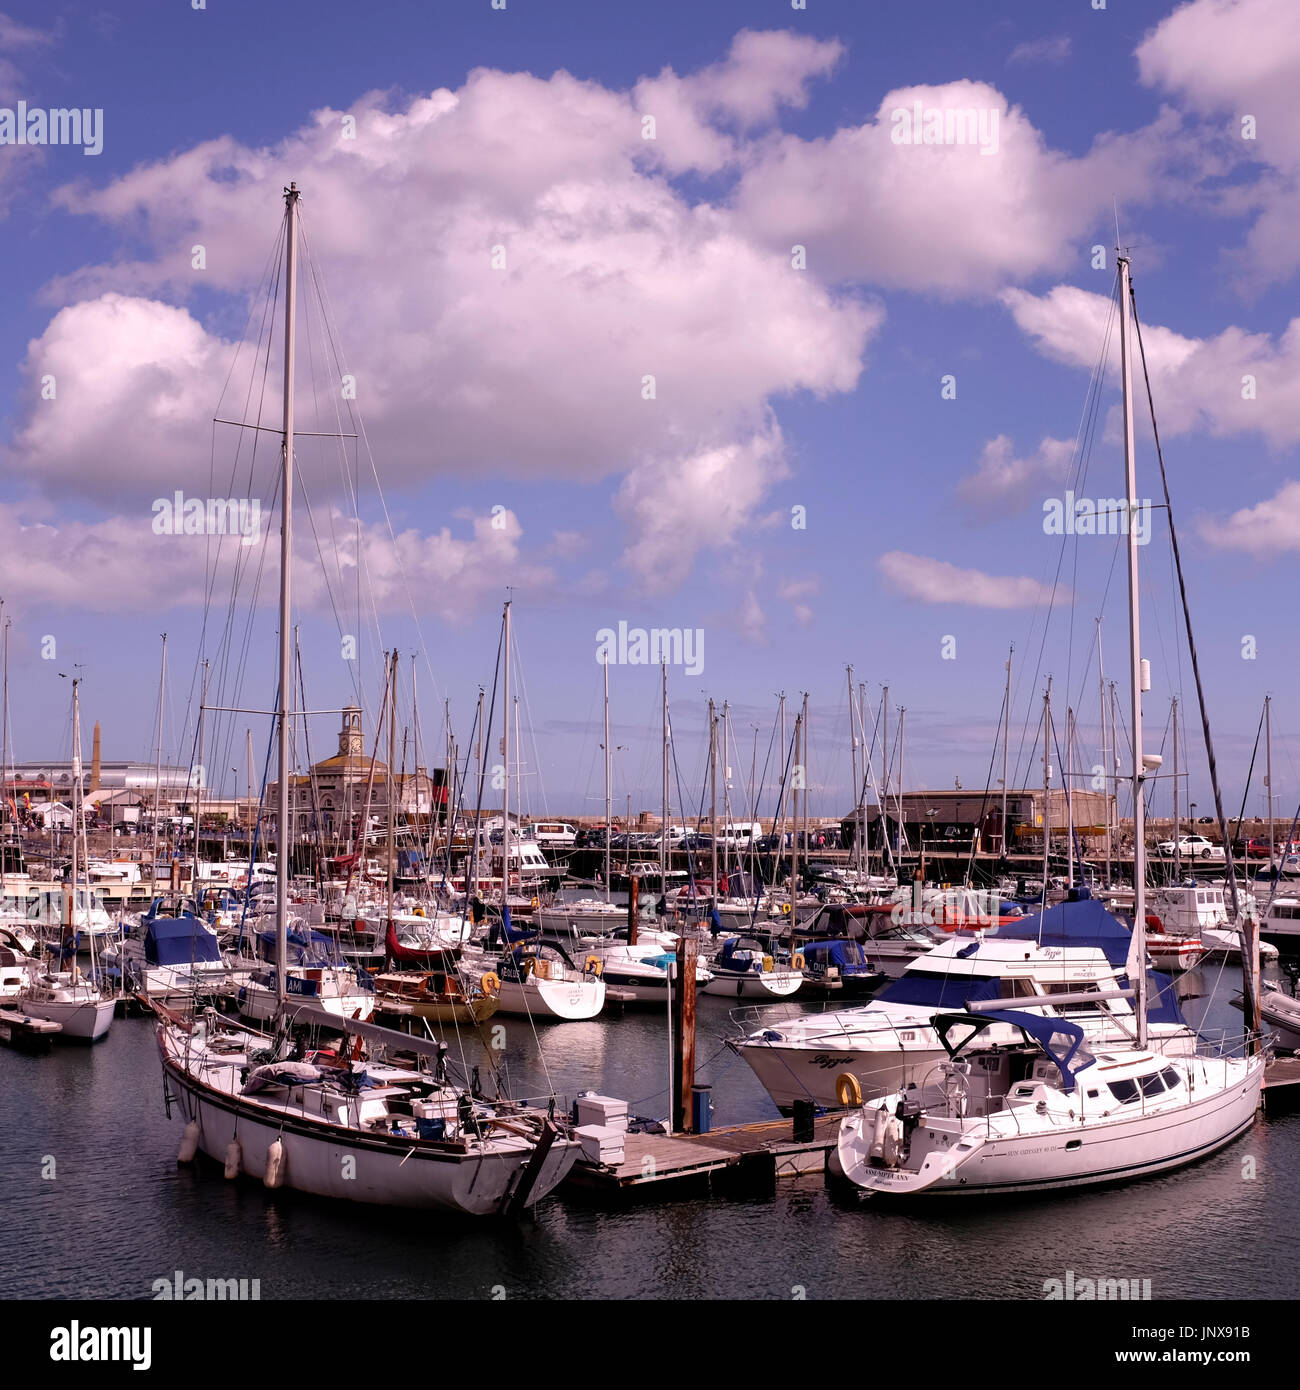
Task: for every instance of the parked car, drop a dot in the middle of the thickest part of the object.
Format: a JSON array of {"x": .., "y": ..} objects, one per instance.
[{"x": 1191, "y": 847}]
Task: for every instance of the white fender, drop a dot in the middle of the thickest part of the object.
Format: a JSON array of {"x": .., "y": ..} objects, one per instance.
[
  {"x": 274, "y": 1175},
  {"x": 189, "y": 1143},
  {"x": 892, "y": 1147},
  {"x": 877, "y": 1149},
  {"x": 234, "y": 1156}
]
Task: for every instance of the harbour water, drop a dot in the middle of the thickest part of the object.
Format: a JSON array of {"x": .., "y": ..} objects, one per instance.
[{"x": 98, "y": 1208}]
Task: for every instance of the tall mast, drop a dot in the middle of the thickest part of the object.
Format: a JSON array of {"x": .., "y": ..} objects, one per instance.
[
  {"x": 1006, "y": 741},
  {"x": 853, "y": 756},
  {"x": 286, "y": 595},
  {"x": 726, "y": 785},
  {"x": 391, "y": 780},
  {"x": 713, "y": 797},
  {"x": 663, "y": 835},
  {"x": 1177, "y": 855},
  {"x": 902, "y": 829},
  {"x": 798, "y": 777},
  {"x": 1047, "y": 784},
  {"x": 884, "y": 754},
  {"x": 1268, "y": 771},
  {"x": 608, "y": 807},
  {"x": 780, "y": 800},
  {"x": 505, "y": 753},
  {"x": 1069, "y": 798},
  {"x": 472, "y": 887},
  {"x": 157, "y": 772},
  {"x": 198, "y": 779},
  {"x": 1137, "y": 952},
  {"x": 76, "y": 829},
  {"x": 1101, "y": 696},
  {"x": 248, "y": 774}
]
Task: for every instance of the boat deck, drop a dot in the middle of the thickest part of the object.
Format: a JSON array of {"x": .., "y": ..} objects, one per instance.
[{"x": 1282, "y": 1085}]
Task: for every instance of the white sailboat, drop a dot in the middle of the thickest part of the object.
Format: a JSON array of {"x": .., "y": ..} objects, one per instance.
[
  {"x": 388, "y": 1132},
  {"x": 1046, "y": 1112}
]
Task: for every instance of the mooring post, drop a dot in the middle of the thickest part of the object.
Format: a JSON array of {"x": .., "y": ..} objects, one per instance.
[
  {"x": 633, "y": 892},
  {"x": 684, "y": 1036}
]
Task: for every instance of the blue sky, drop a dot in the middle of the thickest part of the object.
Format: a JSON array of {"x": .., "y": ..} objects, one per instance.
[{"x": 779, "y": 388}]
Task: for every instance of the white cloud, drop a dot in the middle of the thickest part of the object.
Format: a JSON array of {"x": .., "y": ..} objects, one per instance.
[
  {"x": 536, "y": 370},
  {"x": 1003, "y": 484},
  {"x": 1197, "y": 383},
  {"x": 1227, "y": 60},
  {"x": 945, "y": 217},
  {"x": 1269, "y": 528},
  {"x": 1048, "y": 50},
  {"x": 937, "y": 581}
]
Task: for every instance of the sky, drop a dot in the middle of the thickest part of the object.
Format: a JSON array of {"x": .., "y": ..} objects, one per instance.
[{"x": 654, "y": 315}]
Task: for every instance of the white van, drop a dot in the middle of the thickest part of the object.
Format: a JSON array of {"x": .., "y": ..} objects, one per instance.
[
  {"x": 739, "y": 833},
  {"x": 554, "y": 833}
]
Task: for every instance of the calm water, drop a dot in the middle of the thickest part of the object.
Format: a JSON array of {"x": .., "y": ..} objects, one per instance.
[{"x": 119, "y": 1213}]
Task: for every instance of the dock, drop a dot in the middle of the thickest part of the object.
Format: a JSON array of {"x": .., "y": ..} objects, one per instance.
[
  {"x": 27, "y": 1034},
  {"x": 733, "y": 1158},
  {"x": 1282, "y": 1086}
]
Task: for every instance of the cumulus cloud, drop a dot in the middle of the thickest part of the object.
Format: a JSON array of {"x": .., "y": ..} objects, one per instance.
[
  {"x": 96, "y": 566},
  {"x": 1198, "y": 383},
  {"x": 1230, "y": 60},
  {"x": 937, "y": 581},
  {"x": 945, "y": 217},
  {"x": 1003, "y": 484},
  {"x": 517, "y": 292},
  {"x": 1269, "y": 528}
]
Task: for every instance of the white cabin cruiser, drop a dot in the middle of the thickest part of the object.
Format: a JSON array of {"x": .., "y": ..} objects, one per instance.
[{"x": 743, "y": 970}]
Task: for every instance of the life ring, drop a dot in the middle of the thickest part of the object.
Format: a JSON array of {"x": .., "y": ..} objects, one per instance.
[
  {"x": 797, "y": 961},
  {"x": 490, "y": 984},
  {"x": 417, "y": 912},
  {"x": 785, "y": 909},
  {"x": 526, "y": 966},
  {"x": 593, "y": 965},
  {"x": 847, "y": 1089}
]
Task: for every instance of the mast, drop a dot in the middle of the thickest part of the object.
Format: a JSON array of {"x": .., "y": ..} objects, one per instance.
[
  {"x": 713, "y": 797},
  {"x": 505, "y": 753},
  {"x": 1106, "y": 782},
  {"x": 4, "y": 750},
  {"x": 76, "y": 830},
  {"x": 286, "y": 597},
  {"x": 1137, "y": 952},
  {"x": 1006, "y": 741},
  {"x": 608, "y": 807},
  {"x": 1069, "y": 800},
  {"x": 1047, "y": 784},
  {"x": 391, "y": 780},
  {"x": 663, "y": 832},
  {"x": 726, "y": 786},
  {"x": 471, "y": 887},
  {"x": 1177, "y": 855},
  {"x": 902, "y": 830},
  {"x": 248, "y": 773},
  {"x": 853, "y": 755},
  {"x": 780, "y": 800},
  {"x": 884, "y": 754},
  {"x": 1268, "y": 773},
  {"x": 198, "y": 780},
  {"x": 798, "y": 777},
  {"x": 157, "y": 772}
]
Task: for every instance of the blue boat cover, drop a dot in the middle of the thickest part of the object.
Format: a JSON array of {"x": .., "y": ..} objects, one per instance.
[
  {"x": 845, "y": 954},
  {"x": 935, "y": 991},
  {"x": 1085, "y": 923},
  {"x": 1041, "y": 1030},
  {"x": 180, "y": 941}
]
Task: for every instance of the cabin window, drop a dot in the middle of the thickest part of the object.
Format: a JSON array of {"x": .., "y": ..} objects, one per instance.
[
  {"x": 1171, "y": 1077},
  {"x": 1092, "y": 1095},
  {"x": 1124, "y": 1091},
  {"x": 1152, "y": 1085}
]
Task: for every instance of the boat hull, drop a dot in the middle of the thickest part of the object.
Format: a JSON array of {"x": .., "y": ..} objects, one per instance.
[
  {"x": 81, "y": 1020},
  {"x": 563, "y": 1000}
]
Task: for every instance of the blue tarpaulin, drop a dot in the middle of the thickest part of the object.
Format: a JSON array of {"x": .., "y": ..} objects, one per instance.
[
  {"x": 180, "y": 941},
  {"x": 1085, "y": 923}
]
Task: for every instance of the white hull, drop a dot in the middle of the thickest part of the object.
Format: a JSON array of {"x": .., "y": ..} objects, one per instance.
[
  {"x": 83, "y": 1020},
  {"x": 978, "y": 1160},
  {"x": 569, "y": 1000},
  {"x": 332, "y": 1161},
  {"x": 772, "y": 984},
  {"x": 259, "y": 1004}
]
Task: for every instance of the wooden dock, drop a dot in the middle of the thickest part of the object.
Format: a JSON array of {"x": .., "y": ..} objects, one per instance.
[
  {"x": 734, "y": 1158},
  {"x": 1282, "y": 1085}
]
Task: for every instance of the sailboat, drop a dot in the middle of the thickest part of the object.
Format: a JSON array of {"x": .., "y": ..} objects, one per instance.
[
  {"x": 1044, "y": 1111},
  {"x": 65, "y": 996},
  {"x": 391, "y": 1129}
]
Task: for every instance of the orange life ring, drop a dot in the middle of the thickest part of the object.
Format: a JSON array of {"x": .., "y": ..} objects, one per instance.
[{"x": 490, "y": 984}]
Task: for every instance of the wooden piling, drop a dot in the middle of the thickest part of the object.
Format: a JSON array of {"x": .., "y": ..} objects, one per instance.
[{"x": 684, "y": 1036}]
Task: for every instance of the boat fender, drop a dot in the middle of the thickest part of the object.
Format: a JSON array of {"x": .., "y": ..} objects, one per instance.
[
  {"x": 847, "y": 1089},
  {"x": 418, "y": 912},
  {"x": 490, "y": 984},
  {"x": 526, "y": 966},
  {"x": 891, "y": 1147},
  {"x": 532, "y": 902},
  {"x": 234, "y": 1157},
  {"x": 797, "y": 961},
  {"x": 593, "y": 965},
  {"x": 189, "y": 1143},
  {"x": 768, "y": 965},
  {"x": 274, "y": 1175},
  {"x": 879, "y": 1129}
]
